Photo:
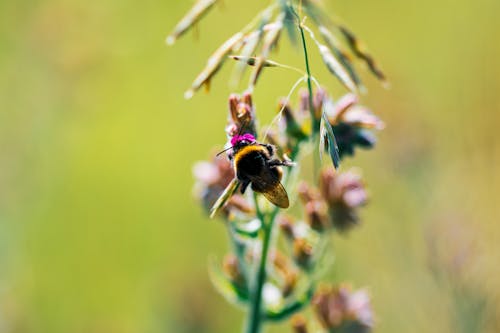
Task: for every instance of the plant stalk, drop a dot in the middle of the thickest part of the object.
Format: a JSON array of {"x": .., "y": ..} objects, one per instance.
[
  {"x": 315, "y": 124},
  {"x": 314, "y": 121},
  {"x": 254, "y": 323}
]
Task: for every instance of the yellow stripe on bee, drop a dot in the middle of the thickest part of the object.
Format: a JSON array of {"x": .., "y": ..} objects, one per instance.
[{"x": 249, "y": 149}]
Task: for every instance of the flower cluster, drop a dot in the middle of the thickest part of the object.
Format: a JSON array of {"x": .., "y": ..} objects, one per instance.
[
  {"x": 332, "y": 205},
  {"x": 276, "y": 280},
  {"x": 337, "y": 202}
]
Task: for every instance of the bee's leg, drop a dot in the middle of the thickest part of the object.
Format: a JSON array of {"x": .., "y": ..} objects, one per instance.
[
  {"x": 270, "y": 148},
  {"x": 274, "y": 163},
  {"x": 244, "y": 185}
]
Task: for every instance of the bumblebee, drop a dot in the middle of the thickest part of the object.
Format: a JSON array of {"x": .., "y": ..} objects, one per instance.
[{"x": 255, "y": 164}]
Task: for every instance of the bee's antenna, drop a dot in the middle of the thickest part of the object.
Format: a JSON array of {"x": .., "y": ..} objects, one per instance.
[{"x": 219, "y": 153}]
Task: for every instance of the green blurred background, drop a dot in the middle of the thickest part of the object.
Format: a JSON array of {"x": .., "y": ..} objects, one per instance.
[{"x": 98, "y": 228}]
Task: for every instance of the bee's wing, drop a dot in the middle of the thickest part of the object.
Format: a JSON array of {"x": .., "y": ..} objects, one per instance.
[
  {"x": 269, "y": 185},
  {"x": 278, "y": 196},
  {"x": 224, "y": 197}
]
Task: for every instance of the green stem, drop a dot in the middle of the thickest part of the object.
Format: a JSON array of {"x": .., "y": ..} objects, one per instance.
[
  {"x": 254, "y": 323},
  {"x": 314, "y": 121},
  {"x": 309, "y": 83}
]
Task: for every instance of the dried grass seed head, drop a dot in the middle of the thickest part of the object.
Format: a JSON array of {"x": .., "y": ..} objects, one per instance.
[
  {"x": 214, "y": 63},
  {"x": 199, "y": 9},
  {"x": 270, "y": 41}
]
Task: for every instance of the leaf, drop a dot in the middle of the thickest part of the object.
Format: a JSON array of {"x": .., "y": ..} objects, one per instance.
[
  {"x": 221, "y": 201},
  {"x": 291, "y": 307},
  {"x": 225, "y": 287},
  {"x": 250, "y": 229},
  {"x": 332, "y": 142}
]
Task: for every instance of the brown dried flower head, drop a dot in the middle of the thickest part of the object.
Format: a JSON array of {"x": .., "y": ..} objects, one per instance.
[
  {"x": 288, "y": 273},
  {"x": 344, "y": 194},
  {"x": 241, "y": 113},
  {"x": 303, "y": 252},
  {"x": 287, "y": 225},
  {"x": 232, "y": 269},
  {"x": 342, "y": 310}
]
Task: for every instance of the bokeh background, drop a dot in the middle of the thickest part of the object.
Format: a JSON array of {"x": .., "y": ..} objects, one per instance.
[{"x": 98, "y": 228}]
